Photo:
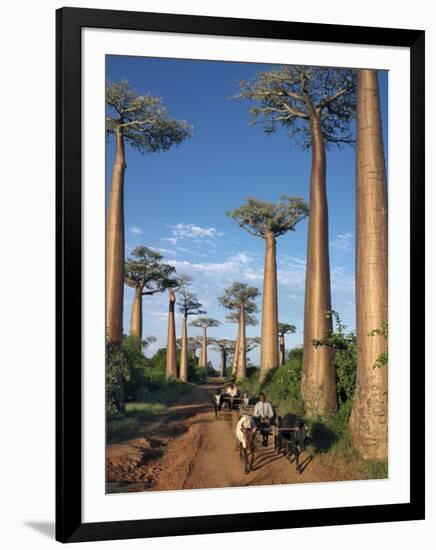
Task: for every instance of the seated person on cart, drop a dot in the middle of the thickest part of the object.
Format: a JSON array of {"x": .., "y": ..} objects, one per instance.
[
  {"x": 233, "y": 393},
  {"x": 263, "y": 415},
  {"x": 230, "y": 393}
]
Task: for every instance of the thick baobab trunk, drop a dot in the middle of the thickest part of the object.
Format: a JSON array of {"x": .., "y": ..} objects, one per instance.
[
  {"x": 223, "y": 362},
  {"x": 318, "y": 384},
  {"x": 171, "y": 370},
  {"x": 115, "y": 246},
  {"x": 203, "y": 355},
  {"x": 184, "y": 352},
  {"x": 136, "y": 316},
  {"x": 369, "y": 417},
  {"x": 282, "y": 351},
  {"x": 236, "y": 353},
  {"x": 269, "y": 346},
  {"x": 241, "y": 372}
]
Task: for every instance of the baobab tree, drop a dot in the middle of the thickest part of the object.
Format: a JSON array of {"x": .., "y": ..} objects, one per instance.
[
  {"x": 315, "y": 106},
  {"x": 240, "y": 297},
  {"x": 284, "y": 329},
  {"x": 147, "y": 275},
  {"x": 194, "y": 343},
  {"x": 250, "y": 321},
  {"x": 369, "y": 416},
  {"x": 171, "y": 358},
  {"x": 204, "y": 323},
  {"x": 143, "y": 122},
  {"x": 188, "y": 305},
  {"x": 225, "y": 347},
  {"x": 268, "y": 220}
]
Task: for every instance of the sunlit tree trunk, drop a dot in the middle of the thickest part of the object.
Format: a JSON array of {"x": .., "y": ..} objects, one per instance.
[
  {"x": 223, "y": 362},
  {"x": 318, "y": 384},
  {"x": 269, "y": 346},
  {"x": 369, "y": 417},
  {"x": 241, "y": 372},
  {"x": 184, "y": 352},
  {"x": 136, "y": 316},
  {"x": 282, "y": 351},
  {"x": 236, "y": 353},
  {"x": 203, "y": 355},
  {"x": 171, "y": 370},
  {"x": 115, "y": 245}
]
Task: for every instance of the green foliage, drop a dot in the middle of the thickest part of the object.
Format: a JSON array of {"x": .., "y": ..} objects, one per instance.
[
  {"x": 281, "y": 385},
  {"x": 285, "y": 328},
  {"x": 344, "y": 346},
  {"x": 142, "y": 119},
  {"x": 296, "y": 353},
  {"x": 292, "y": 95},
  {"x": 375, "y": 469},
  {"x": 145, "y": 271},
  {"x": 262, "y": 217},
  {"x": 137, "y": 365},
  {"x": 205, "y": 322},
  {"x": 382, "y": 359},
  {"x": 117, "y": 374},
  {"x": 239, "y": 294}
]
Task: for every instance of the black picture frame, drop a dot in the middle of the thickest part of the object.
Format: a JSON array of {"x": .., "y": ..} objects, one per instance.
[{"x": 69, "y": 23}]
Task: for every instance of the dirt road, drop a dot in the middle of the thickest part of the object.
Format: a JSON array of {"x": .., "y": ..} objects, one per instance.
[{"x": 189, "y": 448}]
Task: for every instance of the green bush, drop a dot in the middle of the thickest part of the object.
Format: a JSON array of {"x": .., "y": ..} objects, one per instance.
[
  {"x": 117, "y": 374},
  {"x": 281, "y": 385}
]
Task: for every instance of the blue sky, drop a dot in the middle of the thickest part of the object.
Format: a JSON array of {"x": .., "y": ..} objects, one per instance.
[{"x": 175, "y": 202}]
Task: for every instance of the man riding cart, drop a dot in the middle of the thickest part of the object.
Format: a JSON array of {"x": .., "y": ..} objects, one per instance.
[{"x": 264, "y": 417}]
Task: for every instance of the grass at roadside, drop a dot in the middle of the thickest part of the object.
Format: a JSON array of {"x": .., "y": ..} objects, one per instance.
[{"x": 151, "y": 405}]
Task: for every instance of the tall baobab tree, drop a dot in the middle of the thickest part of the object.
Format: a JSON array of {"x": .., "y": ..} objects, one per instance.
[
  {"x": 147, "y": 275},
  {"x": 268, "y": 221},
  {"x": 240, "y": 297},
  {"x": 368, "y": 421},
  {"x": 204, "y": 323},
  {"x": 315, "y": 106},
  {"x": 225, "y": 347},
  {"x": 188, "y": 305},
  {"x": 143, "y": 122},
  {"x": 284, "y": 329}
]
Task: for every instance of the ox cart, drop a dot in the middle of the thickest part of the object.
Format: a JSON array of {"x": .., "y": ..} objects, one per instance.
[{"x": 289, "y": 436}]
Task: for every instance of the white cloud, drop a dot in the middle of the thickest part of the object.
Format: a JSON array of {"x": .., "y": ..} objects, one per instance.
[
  {"x": 135, "y": 230},
  {"x": 164, "y": 250},
  {"x": 171, "y": 240},
  {"x": 343, "y": 241},
  {"x": 191, "y": 231}
]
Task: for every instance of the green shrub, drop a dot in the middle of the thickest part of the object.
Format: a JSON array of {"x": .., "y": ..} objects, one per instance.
[{"x": 375, "y": 469}]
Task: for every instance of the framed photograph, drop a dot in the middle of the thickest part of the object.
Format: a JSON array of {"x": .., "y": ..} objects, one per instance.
[{"x": 240, "y": 255}]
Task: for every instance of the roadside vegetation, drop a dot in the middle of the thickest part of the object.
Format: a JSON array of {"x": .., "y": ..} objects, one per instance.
[{"x": 148, "y": 392}]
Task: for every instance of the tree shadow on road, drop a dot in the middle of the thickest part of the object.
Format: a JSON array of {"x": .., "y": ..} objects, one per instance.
[{"x": 322, "y": 438}]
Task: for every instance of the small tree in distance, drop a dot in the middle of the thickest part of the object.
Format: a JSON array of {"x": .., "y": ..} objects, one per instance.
[
  {"x": 284, "y": 329},
  {"x": 204, "y": 323},
  {"x": 240, "y": 297},
  {"x": 147, "y": 275},
  {"x": 188, "y": 305}
]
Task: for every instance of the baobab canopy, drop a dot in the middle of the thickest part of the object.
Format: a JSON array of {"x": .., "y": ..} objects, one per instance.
[
  {"x": 291, "y": 95},
  {"x": 260, "y": 218},
  {"x": 142, "y": 119}
]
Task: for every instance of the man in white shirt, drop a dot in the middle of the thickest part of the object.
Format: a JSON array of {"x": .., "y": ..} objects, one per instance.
[{"x": 263, "y": 415}]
